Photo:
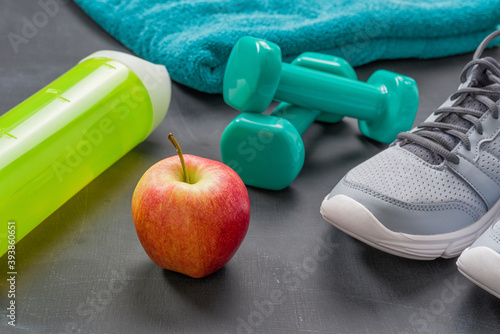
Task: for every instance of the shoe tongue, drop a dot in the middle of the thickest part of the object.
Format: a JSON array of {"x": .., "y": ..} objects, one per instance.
[{"x": 480, "y": 76}]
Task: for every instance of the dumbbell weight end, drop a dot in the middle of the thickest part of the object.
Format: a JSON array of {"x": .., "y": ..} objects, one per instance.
[
  {"x": 399, "y": 109},
  {"x": 267, "y": 151}
]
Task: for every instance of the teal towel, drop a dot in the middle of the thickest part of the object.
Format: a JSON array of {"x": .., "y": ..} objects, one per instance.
[{"x": 193, "y": 38}]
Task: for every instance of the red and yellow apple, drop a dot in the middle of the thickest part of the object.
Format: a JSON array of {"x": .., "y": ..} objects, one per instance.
[{"x": 191, "y": 214}]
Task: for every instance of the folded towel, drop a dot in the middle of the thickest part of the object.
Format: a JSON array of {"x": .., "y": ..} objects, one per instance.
[{"x": 193, "y": 38}]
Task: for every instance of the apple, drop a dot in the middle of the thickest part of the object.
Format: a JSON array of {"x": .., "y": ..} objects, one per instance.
[{"x": 191, "y": 214}]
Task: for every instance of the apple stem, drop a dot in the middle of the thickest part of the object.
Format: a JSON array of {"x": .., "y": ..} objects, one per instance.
[{"x": 179, "y": 152}]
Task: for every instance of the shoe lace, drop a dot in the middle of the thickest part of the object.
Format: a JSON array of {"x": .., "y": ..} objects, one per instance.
[{"x": 430, "y": 134}]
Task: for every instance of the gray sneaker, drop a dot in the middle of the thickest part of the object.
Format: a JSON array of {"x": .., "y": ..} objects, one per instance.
[
  {"x": 481, "y": 262},
  {"x": 437, "y": 187}
]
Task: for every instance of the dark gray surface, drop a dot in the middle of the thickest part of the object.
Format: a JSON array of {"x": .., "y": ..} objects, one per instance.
[{"x": 68, "y": 266}]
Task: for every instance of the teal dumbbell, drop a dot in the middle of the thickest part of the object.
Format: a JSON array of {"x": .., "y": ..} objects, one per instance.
[
  {"x": 267, "y": 150},
  {"x": 385, "y": 105}
]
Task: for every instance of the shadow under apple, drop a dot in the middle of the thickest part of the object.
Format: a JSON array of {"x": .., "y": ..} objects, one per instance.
[{"x": 174, "y": 301}]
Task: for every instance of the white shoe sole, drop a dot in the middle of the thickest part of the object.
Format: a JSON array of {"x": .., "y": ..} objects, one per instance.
[
  {"x": 481, "y": 265},
  {"x": 356, "y": 220}
]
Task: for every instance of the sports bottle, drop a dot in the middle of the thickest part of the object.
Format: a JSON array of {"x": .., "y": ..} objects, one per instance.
[{"x": 58, "y": 140}]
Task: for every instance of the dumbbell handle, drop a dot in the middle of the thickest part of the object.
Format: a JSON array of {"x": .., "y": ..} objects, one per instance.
[
  {"x": 299, "y": 117},
  {"x": 329, "y": 93}
]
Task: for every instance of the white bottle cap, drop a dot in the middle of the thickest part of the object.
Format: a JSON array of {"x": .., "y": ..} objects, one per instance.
[{"x": 155, "y": 78}]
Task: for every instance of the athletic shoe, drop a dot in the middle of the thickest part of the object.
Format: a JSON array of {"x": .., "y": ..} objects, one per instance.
[
  {"x": 480, "y": 263},
  {"x": 436, "y": 189}
]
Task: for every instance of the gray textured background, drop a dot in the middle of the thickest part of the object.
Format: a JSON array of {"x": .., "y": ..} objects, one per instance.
[{"x": 83, "y": 270}]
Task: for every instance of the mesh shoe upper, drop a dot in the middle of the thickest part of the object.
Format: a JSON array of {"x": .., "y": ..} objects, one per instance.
[{"x": 397, "y": 174}]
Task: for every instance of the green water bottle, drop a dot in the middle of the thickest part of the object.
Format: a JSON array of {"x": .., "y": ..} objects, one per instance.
[{"x": 57, "y": 141}]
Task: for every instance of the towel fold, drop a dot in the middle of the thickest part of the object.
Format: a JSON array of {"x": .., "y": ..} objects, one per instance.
[{"x": 193, "y": 38}]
